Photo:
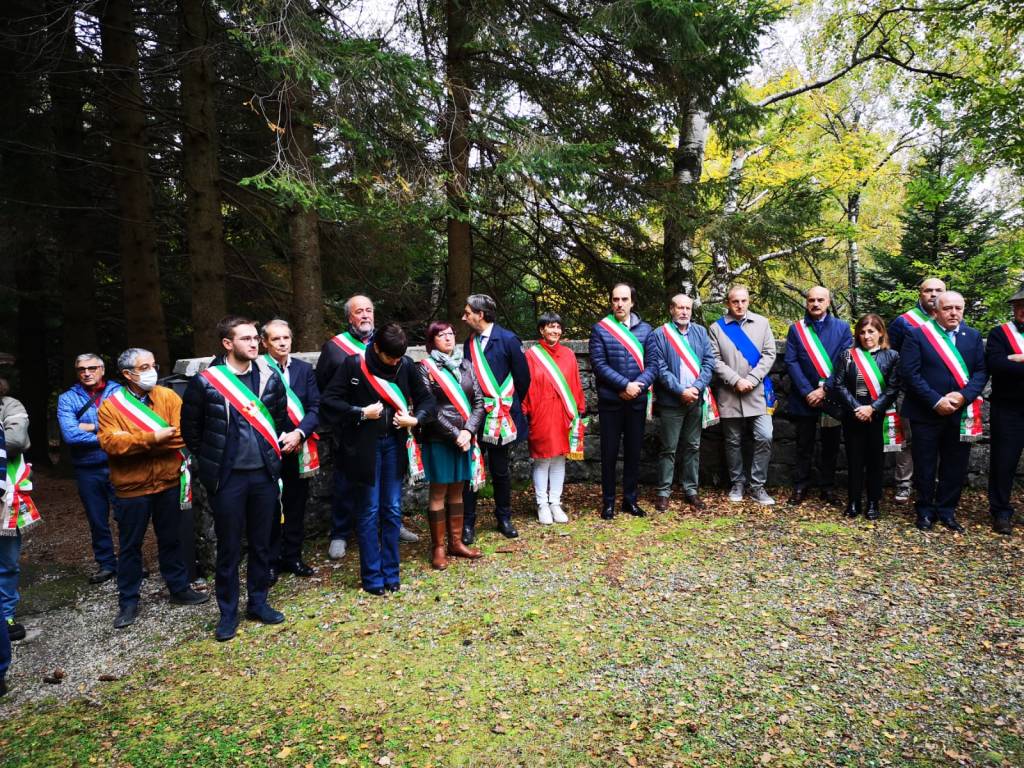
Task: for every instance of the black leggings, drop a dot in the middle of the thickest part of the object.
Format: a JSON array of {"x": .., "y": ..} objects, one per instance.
[{"x": 863, "y": 456}]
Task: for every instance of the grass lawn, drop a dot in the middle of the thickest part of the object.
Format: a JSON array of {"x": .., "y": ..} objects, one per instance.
[{"x": 738, "y": 637}]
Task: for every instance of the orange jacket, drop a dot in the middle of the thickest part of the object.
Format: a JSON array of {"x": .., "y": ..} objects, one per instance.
[{"x": 138, "y": 464}]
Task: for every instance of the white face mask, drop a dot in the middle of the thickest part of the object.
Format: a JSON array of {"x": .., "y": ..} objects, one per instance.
[{"x": 147, "y": 379}]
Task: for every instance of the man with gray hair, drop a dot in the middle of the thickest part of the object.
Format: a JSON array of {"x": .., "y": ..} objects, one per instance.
[
  {"x": 140, "y": 432},
  {"x": 77, "y": 413}
]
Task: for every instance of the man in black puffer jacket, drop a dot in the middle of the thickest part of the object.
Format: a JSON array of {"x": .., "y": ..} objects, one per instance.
[{"x": 231, "y": 417}]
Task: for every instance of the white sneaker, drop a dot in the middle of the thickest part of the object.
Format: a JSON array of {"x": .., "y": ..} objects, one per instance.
[
  {"x": 736, "y": 492},
  {"x": 760, "y": 495},
  {"x": 406, "y": 536},
  {"x": 544, "y": 514},
  {"x": 558, "y": 514},
  {"x": 337, "y": 550}
]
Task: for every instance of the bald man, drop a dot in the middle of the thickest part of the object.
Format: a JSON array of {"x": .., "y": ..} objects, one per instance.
[
  {"x": 813, "y": 347},
  {"x": 943, "y": 369},
  {"x": 921, "y": 312}
]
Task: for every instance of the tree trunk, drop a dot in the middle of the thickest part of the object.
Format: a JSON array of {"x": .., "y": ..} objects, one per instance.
[
  {"x": 204, "y": 225},
  {"x": 140, "y": 273},
  {"x": 304, "y": 232},
  {"x": 456, "y": 128},
  {"x": 853, "y": 251},
  {"x": 681, "y": 217}
]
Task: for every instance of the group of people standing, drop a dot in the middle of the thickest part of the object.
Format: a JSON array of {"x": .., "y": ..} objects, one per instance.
[{"x": 247, "y": 426}]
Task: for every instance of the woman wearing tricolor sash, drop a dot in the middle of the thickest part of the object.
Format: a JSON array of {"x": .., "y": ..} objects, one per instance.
[
  {"x": 373, "y": 403},
  {"x": 451, "y": 452},
  {"x": 555, "y": 408},
  {"x": 866, "y": 380}
]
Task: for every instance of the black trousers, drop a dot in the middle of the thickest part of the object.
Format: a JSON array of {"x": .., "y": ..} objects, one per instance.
[
  {"x": 626, "y": 425},
  {"x": 806, "y": 432},
  {"x": 133, "y": 516},
  {"x": 500, "y": 474},
  {"x": 940, "y": 466},
  {"x": 1006, "y": 446},
  {"x": 864, "y": 457},
  {"x": 286, "y": 538},
  {"x": 246, "y": 502}
]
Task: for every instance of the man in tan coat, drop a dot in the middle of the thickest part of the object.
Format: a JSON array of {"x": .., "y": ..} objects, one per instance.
[{"x": 745, "y": 348}]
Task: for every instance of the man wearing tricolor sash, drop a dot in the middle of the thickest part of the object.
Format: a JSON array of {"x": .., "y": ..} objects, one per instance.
[
  {"x": 745, "y": 352},
  {"x": 1004, "y": 355},
  {"x": 813, "y": 345},
  {"x": 623, "y": 385},
  {"x": 231, "y": 420},
  {"x": 140, "y": 433},
  {"x": 898, "y": 330},
  {"x": 358, "y": 311},
  {"x": 19, "y": 513},
  {"x": 504, "y": 377},
  {"x": 680, "y": 354},
  {"x": 942, "y": 364}
]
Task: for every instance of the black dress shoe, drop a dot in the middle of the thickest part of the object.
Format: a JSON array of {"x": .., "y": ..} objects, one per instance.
[
  {"x": 103, "y": 574},
  {"x": 297, "y": 567},
  {"x": 189, "y": 597},
  {"x": 1003, "y": 525},
  {"x": 506, "y": 529},
  {"x": 264, "y": 614},
  {"x": 799, "y": 494},
  {"x": 608, "y": 512},
  {"x": 15, "y": 631},
  {"x": 873, "y": 512},
  {"x": 924, "y": 523},
  {"x": 226, "y": 629},
  {"x": 633, "y": 508},
  {"x": 376, "y": 591},
  {"x": 852, "y": 509},
  {"x": 468, "y": 533},
  {"x": 952, "y": 524},
  {"x": 126, "y": 617},
  {"x": 392, "y": 587}
]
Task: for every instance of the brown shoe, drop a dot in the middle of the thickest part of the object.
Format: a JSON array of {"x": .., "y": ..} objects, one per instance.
[
  {"x": 455, "y": 546},
  {"x": 695, "y": 502},
  {"x": 661, "y": 504},
  {"x": 438, "y": 556}
]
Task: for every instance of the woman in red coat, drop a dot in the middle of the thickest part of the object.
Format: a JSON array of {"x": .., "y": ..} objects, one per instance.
[{"x": 554, "y": 406}]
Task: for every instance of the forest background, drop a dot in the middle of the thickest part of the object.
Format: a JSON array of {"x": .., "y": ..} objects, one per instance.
[{"x": 164, "y": 163}]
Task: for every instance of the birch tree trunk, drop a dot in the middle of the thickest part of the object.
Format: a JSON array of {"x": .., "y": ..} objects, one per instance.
[{"x": 680, "y": 224}]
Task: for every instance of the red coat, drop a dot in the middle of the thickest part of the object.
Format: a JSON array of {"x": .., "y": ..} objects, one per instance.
[{"x": 543, "y": 407}]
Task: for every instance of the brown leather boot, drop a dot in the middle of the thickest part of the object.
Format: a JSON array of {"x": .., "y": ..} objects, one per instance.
[
  {"x": 455, "y": 546},
  {"x": 438, "y": 558}
]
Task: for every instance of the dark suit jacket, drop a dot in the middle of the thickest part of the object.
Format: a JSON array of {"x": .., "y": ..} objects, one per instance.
[
  {"x": 926, "y": 378},
  {"x": 302, "y": 380},
  {"x": 504, "y": 352},
  {"x": 835, "y": 338},
  {"x": 1007, "y": 377}
]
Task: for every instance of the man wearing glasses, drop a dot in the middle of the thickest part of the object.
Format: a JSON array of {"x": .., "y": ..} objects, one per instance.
[{"x": 77, "y": 410}]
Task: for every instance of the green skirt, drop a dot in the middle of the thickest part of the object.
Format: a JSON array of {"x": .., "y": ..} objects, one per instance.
[{"x": 445, "y": 463}]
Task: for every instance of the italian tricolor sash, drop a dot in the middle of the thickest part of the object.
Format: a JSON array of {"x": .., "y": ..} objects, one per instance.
[
  {"x": 814, "y": 348},
  {"x": 148, "y": 420},
  {"x": 688, "y": 357},
  {"x": 970, "y": 420},
  {"x": 577, "y": 424},
  {"x": 916, "y": 317},
  {"x": 241, "y": 398},
  {"x": 21, "y": 512},
  {"x": 457, "y": 397},
  {"x": 1015, "y": 337},
  {"x": 394, "y": 396},
  {"x": 309, "y": 452},
  {"x": 349, "y": 344},
  {"x": 625, "y": 337},
  {"x": 499, "y": 427},
  {"x": 892, "y": 429}
]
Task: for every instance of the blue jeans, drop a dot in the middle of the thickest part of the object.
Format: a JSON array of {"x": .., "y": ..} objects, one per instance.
[
  {"x": 133, "y": 516},
  {"x": 10, "y": 551},
  {"x": 341, "y": 506},
  {"x": 97, "y": 497},
  {"x": 380, "y": 517}
]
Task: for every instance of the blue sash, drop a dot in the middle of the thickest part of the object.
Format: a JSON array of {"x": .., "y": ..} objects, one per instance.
[{"x": 752, "y": 355}]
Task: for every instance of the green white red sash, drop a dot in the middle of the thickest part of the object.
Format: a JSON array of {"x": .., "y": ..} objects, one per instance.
[
  {"x": 242, "y": 399},
  {"x": 148, "y": 420},
  {"x": 625, "y": 337},
  {"x": 1015, "y": 337},
  {"x": 814, "y": 348},
  {"x": 577, "y": 423},
  {"x": 20, "y": 512},
  {"x": 709, "y": 414},
  {"x": 394, "y": 396},
  {"x": 349, "y": 344},
  {"x": 457, "y": 397},
  {"x": 309, "y": 451},
  {"x": 499, "y": 426},
  {"x": 970, "y": 419},
  {"x": 916, "y": 317},
  {"x": 892, "y": 428}
]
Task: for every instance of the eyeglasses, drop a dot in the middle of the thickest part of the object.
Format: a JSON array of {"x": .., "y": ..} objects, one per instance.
[{"x": 89, "y": 368}]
